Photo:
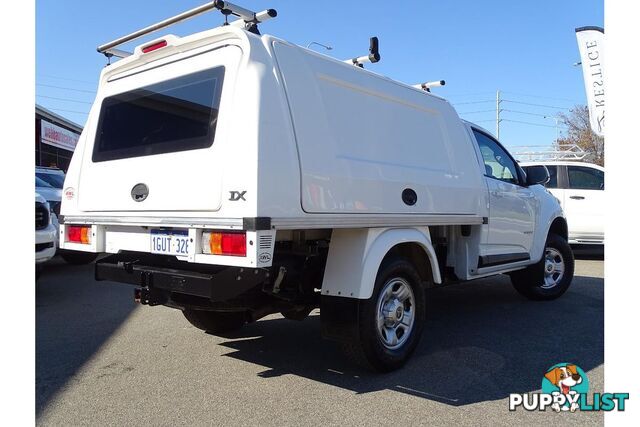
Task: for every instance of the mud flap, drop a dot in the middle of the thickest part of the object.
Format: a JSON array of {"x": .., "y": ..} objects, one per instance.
[{"x": 339, "y": 318}]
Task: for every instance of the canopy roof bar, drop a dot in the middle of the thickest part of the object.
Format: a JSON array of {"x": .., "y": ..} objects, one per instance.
[
  {"x": 259, "y": 17},
  {"x": 117, "y": 53},
  {"x": 373, "y": 56},
  {"x": 426, "y": 86},
  {"x": 247, "y": 17}
]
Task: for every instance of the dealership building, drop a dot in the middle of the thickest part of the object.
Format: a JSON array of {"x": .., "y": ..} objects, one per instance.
[{"x": 56, "y": 138}]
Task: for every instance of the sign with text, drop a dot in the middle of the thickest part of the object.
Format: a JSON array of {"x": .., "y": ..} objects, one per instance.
[
  {"x": 591, "y": 45},
  {"x": 58, "y": 136}
]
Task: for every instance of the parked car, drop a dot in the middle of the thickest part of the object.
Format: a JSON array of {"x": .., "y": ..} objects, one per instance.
[
  {"x": 53, "y": 176},
  {"x": 49, "y": 184},
  {"x": 45, "y": 234},
  {"x": 51, "y": 193},
  {"x": 233, "y": 175},
  {"x": 580, "y": 188},
  {"x": 53, "y": 197}
]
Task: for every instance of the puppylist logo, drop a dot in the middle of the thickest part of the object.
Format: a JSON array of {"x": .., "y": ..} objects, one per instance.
[{"x": 565, "y": 387}]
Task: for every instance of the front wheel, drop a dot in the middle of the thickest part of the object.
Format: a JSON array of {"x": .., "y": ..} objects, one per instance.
[
  {"x": 549, "y": 278},
  {"x": 391, "y": 321}
]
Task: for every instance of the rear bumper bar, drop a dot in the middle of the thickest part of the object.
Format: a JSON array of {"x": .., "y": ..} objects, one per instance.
[
  {"x": 246, "y": 223},
  {"x": 162, "y": 275}
]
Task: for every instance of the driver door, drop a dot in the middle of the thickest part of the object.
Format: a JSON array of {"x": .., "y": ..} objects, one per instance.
[{"x": 512, "y": 206}]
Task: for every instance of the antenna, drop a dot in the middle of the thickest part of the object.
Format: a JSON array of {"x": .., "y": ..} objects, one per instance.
[
  {"x": 373, "y": 57},
  {"x": 319, "y": 44},
  {"x": 426, "y": 86}
]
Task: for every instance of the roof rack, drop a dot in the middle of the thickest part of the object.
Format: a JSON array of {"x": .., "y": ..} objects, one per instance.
[
  {"x": 558, "y": 152},
  {"x": 248, "y": 20},
  {"x": 373, "y": 56},
  {"x": 426, "y": 86}
]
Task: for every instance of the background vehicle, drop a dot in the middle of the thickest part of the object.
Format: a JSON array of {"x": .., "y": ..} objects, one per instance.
[
  {"x": 51, "y": 192},
  {"x": 580, "y": 188},
  {"x": 49, "y": 184},
  {"x": 52, "y": 176},
  {"x": 52, "y": 195},
  {"x": 230, "y": 192},
  {"x": 46, "y": 233}
]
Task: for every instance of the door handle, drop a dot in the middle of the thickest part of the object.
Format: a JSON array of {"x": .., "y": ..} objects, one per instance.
[{"x": 577, "y": 197}]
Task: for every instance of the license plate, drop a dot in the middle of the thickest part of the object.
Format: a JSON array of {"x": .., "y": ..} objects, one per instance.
[{"x": 170, "y": 242}]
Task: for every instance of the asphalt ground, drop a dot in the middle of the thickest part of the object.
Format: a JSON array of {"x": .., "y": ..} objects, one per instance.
[{"x": 102, "y": 360}]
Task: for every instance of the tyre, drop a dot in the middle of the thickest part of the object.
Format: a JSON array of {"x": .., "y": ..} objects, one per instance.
[
  {"x": 391, "y": 321},
  {"x": 77, "y": 257},
  {"x": 549, "y": 278},
  {"x": 215, "y": 322}
]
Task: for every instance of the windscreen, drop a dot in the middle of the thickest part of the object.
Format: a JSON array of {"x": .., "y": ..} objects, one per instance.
[
  {"x": 42, "y": 183},
  {"x": 174, "y": 115},
  {"x": 54, "y": 180}
]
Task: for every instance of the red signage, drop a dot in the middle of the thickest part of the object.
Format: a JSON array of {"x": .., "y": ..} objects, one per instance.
[{"x": 57, "y": 136}]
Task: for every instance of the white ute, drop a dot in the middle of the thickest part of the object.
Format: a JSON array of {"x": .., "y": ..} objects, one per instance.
[{"x": 232, "y": 175}]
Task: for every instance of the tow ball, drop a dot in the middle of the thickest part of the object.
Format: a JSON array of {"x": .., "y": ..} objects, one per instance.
[{"x": 146, "y": 296}]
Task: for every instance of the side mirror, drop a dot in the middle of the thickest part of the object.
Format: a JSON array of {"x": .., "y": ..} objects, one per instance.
[{"x": 538, "y": 174}]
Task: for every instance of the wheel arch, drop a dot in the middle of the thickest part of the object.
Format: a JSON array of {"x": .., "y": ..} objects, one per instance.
[
  {"x": 415, "y": 253},
  {"x": 556, "y": 224},
  {"x": 355, "y": 256},
  {"x": 559, "y": 226}
]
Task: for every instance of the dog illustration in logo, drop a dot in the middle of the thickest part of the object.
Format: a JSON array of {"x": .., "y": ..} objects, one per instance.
[{"x": 564, "y": 377}]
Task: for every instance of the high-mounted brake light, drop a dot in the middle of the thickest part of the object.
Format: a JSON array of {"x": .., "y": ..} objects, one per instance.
[
  {"x": 155, "y": 46},
  {"x": 78, "y": 234},
  {"x": 224, "y": 243}
]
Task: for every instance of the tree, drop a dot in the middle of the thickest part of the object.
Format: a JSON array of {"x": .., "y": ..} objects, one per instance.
[{"x": 579, "y": 133}]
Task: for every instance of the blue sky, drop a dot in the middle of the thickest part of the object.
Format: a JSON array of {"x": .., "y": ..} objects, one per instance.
[{"x": 523, "y": 48}]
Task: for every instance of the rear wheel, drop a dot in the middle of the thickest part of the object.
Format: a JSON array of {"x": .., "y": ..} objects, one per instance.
[
  {"x": 392, "y": 320},
  {"x": 549, "y": 278},
  {"x": 77, "y": 257},
  {"x": 215, "y": 322}
]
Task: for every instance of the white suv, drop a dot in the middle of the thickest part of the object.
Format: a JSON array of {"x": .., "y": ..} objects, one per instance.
[{"x": 580, "y": 188}]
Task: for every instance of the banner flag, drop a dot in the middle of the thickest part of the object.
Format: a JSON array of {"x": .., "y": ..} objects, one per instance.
[{"x": 591, "y": 45}]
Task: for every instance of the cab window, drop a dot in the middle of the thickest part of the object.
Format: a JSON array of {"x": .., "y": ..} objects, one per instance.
[
  {"x": 585, "y": 178},
  {"x": 497, "y": 163}
]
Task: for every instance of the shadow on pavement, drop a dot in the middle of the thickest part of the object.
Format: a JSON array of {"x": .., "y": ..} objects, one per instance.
[
  {"x": 482, "y": 342},
  {"x": 75, "y": 315}
]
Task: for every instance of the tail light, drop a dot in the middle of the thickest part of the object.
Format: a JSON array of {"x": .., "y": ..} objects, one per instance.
[
  {"x": 78, "y": 234},
  {"x": 224, "y": 243}
]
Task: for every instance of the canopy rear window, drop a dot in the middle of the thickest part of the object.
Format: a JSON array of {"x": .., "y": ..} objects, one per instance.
[{"x": 175, "y": 115}]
